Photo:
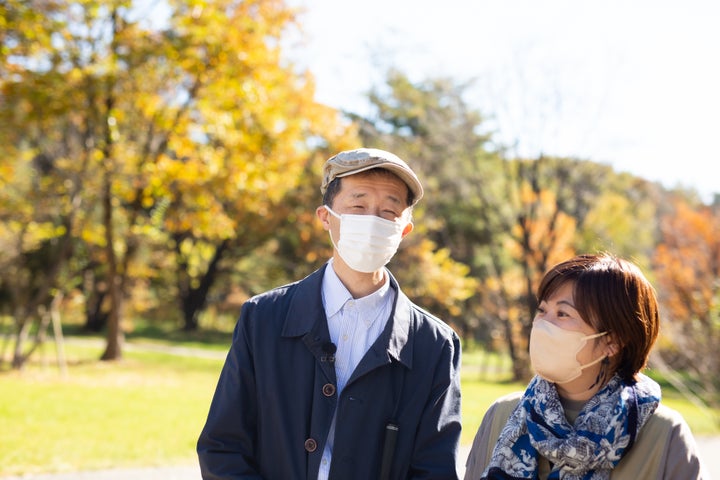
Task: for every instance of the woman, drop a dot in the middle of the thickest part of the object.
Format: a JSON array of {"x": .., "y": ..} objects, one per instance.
[{"x": 588, "y": 413}]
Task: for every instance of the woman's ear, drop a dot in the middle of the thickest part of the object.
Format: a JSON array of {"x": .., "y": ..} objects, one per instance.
[{"x": 612, "y": 348}]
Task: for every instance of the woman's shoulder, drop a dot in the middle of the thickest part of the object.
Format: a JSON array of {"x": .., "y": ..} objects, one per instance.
[
  {"x": 500, "y": 410},
  {"x": 667, "y": 415},
  {"x": 487, "y": 434},
  {"x": 664, "y": 421},
  {"x": 509, "y": 400},
  {"x": 665, "y": 448}
]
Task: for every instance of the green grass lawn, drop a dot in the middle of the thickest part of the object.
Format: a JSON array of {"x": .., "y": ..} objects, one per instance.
[
  {"x": 145, "y": 410},
  {"x": 149, "y": 408}
]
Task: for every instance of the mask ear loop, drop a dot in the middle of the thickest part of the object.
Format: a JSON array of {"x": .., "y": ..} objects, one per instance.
[
  {"x": 603, "y": 363},
  {"x": 603, "y": 371},
  {"x": 332, "y": 240}
]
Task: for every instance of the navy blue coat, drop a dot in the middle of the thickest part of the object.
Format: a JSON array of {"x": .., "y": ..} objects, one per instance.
[{"x": 275, "y": 398}]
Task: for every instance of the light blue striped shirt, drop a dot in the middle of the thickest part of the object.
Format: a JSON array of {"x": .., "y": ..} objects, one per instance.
[{"x": 354, "y": 324}]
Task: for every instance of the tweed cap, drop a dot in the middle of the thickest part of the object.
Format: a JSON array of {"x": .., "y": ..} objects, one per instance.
[{"x": 350, "y": 162}]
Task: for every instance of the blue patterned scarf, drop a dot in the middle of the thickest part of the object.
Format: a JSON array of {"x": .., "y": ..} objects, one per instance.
[{"x": 604, "y": 431}]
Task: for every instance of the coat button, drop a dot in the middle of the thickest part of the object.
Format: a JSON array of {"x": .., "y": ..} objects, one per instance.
[
  {"x": 328, "y": 389},
  {"x": 310, "y": 445}
]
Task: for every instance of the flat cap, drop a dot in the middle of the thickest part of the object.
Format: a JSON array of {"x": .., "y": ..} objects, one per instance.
[{"x": 359, "y": 160}]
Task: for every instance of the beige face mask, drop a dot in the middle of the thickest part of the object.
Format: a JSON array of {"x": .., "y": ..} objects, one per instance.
[{"x": 554, "y": 350}]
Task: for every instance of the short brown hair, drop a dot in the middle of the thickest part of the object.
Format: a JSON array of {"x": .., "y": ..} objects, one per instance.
[{"x": 611, "y": 294}]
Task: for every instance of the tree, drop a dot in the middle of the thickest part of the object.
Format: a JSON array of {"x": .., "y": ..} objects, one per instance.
[
  {"x": 621, "y": 216},
  {"x": 498, "y": 218},
  {"x": 562, "y": 206},
  {"x": 687, "y": 268},
  {"x": 178, "y": 135},
  {"x": 42, "y": 200},
  {"x": 253, "y": 116},
  {"x": 507, "y": 220},
  {"x": 433, "y": 128},
  {"x": 540, "y": 235}
]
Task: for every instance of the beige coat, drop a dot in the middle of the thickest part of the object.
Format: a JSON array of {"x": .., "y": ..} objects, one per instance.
[{"x": 665, "y": 449}]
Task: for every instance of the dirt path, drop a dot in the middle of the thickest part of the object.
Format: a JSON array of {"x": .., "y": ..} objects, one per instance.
[{"x": 709, "y": 448}]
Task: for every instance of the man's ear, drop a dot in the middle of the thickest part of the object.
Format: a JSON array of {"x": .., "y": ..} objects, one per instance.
[{"x": 322, "y": 213}]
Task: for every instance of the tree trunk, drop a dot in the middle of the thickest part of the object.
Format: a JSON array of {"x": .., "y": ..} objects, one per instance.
[
  {"x": 193, "y": 300},
  {"x": 19, "y": 358},
  {"x": 115, "y": 337},
  {"x": 96, "y": 293}
]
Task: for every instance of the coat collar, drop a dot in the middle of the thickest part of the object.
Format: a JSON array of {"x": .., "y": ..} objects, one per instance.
[{"x": 306, "y": 316}]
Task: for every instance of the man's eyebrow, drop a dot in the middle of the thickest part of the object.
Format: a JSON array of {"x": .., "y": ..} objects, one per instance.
[{"x": 395, "y": 199}]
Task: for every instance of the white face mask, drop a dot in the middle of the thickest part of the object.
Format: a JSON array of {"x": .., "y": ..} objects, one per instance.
[
  {"x": 367, "y": 243},
  {"x": 554, "y": 350}
]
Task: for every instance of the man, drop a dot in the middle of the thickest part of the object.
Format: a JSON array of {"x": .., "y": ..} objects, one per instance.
[{"x": 340, "y": 376}]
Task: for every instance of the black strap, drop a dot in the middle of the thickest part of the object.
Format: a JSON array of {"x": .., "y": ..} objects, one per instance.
[{"x": 391, "y": 431}]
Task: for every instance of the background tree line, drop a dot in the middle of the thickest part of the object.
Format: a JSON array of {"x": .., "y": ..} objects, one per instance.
[{"x": 162, "y": 170}]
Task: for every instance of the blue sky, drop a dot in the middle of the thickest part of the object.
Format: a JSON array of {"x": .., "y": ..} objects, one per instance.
[{"x": 632, "y": 83}]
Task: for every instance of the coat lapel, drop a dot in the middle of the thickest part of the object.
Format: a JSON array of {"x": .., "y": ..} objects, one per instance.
[
  {"x": 306, "y": 319},
  {"x": 393, "y": 344}
]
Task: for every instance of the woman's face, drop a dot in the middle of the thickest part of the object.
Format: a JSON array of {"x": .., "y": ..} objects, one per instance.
[{"x": 559, "y": 309}]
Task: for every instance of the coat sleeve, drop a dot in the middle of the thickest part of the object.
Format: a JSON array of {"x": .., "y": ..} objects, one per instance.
[
  {"x": 682, "y": 459},
  {"x": 438, "y": 437},
  {"x": 226, "y": 446}
]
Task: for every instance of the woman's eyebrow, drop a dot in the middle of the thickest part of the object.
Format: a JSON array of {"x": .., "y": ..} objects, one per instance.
[{"x": 568, "y": 303}]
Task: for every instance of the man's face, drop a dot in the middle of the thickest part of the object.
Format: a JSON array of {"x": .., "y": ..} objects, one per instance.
[
  {"x": 368, "y": 193},
  {"x": 372, "y": 194}
]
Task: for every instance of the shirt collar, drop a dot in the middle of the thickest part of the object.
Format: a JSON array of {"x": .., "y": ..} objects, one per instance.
[{"x": 335, "y": 295}]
